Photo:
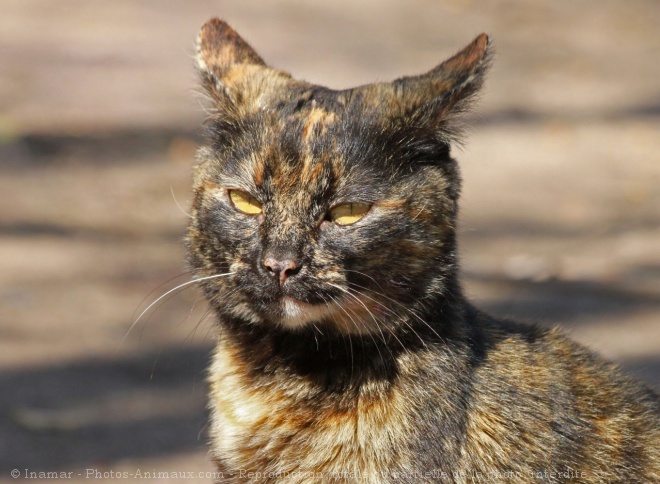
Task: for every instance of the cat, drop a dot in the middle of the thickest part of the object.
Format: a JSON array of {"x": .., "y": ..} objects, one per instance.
[{"x": 323, "y": 234}]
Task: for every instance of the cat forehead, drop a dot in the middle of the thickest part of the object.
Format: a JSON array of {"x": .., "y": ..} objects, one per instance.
[
  {"x": 299, "y": 132},
  {"x": 316, "y": 121},
  {"x": 303, "y": 149},
  {"x": 306, "y": 119}
]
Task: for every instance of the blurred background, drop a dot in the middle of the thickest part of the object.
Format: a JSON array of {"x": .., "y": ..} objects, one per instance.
[{"x": 99, "y": 119}]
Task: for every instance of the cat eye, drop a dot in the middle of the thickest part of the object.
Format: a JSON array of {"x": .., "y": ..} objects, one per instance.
[
  {"x": 244, "y": 202},
  {"x": 348, "y": 213}
]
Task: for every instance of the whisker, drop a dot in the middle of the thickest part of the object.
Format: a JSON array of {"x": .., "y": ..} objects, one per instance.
[
  {"x": 420, "y": 210},
  {"x": 402, "y": 319},
  {"x": 378, "y": 325},
  {"x": 403, "y": 306},
  {"x": 177, "y": 203},
  {"x": 156, "y": 288},
  {"x": 366, "y": 275},
  {"x": 209, "y": 327},
  {"x": 338, "y": 303},
  {"x": 350, "y": 341},
  {"x": 342, "y": 308},
  {"x": 193, "y": 281},
  {"x": 315, "y": 338},
  {"x": 413, "y": 313},
  {"x": 345, "y": 310},
  {"x": 143, "y": 327},
  {"x": 191, "y": 334}
]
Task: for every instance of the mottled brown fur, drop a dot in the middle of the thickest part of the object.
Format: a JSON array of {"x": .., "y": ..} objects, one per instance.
[{"x": 366, "y": 361}]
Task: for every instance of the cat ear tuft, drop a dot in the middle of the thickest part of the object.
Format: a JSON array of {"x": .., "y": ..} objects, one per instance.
[{"x": 438, "y": 98}]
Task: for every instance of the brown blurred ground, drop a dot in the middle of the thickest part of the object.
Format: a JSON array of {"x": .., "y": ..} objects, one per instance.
[{"x": 99, "y": 118}]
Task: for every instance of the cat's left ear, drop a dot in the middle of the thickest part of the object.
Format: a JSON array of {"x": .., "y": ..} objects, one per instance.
[{"x": 435, "y": 99}]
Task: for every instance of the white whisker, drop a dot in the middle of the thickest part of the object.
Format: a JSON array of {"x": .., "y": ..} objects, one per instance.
[
  {"x": 156, "y": 288},
  {"x": 413, "y": 313},
  {"x": 359, "y": 332},
  {"x": 403, "y": 319},
  {"x": 167, "y": 294},
  {"x": 410, "y": 311},
  {"x": 350, "y": 341},
  {"x": 177, "y": 203},
  {"x": 420, "y": 210},
  {"x": 378, "y": 325}
]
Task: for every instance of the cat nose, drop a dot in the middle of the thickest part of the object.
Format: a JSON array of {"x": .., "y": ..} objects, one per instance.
[{"x": 281, "y": 267}]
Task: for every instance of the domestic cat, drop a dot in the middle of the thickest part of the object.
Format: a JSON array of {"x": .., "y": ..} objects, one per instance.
[{"x": 323, "y": 234}]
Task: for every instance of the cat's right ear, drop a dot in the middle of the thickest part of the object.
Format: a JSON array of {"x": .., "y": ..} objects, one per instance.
[{"x": 228, "y": 65}]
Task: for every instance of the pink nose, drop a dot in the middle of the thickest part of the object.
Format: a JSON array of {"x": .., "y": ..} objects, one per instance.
[{"x": 282, "y": 269}]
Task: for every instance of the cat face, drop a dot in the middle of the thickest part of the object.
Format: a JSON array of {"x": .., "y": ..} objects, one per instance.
[{"x": 332, "y": 208}]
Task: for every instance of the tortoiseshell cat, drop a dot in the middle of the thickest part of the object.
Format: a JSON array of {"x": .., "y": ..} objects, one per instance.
[{"x": 323, "y": 234}]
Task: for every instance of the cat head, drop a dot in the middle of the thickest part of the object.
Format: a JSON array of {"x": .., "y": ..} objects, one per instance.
[{"x": 320, "y": 207}]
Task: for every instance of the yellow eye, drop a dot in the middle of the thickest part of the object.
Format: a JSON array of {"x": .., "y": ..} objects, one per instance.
[
  {"x": 348, "y": 213},
  {"x": 244, "y": 202}
]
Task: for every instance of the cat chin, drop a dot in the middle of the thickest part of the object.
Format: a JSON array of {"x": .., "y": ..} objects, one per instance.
[
  {"x": 296, "y": 313},
  {"x": 349, "y": 317}
]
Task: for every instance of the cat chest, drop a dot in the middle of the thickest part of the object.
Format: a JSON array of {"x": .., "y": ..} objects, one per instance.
[{"x": 265, "y": 429}]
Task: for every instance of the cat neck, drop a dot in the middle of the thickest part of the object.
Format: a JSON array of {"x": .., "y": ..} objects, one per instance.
[{"x": 321, "y": 354}]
